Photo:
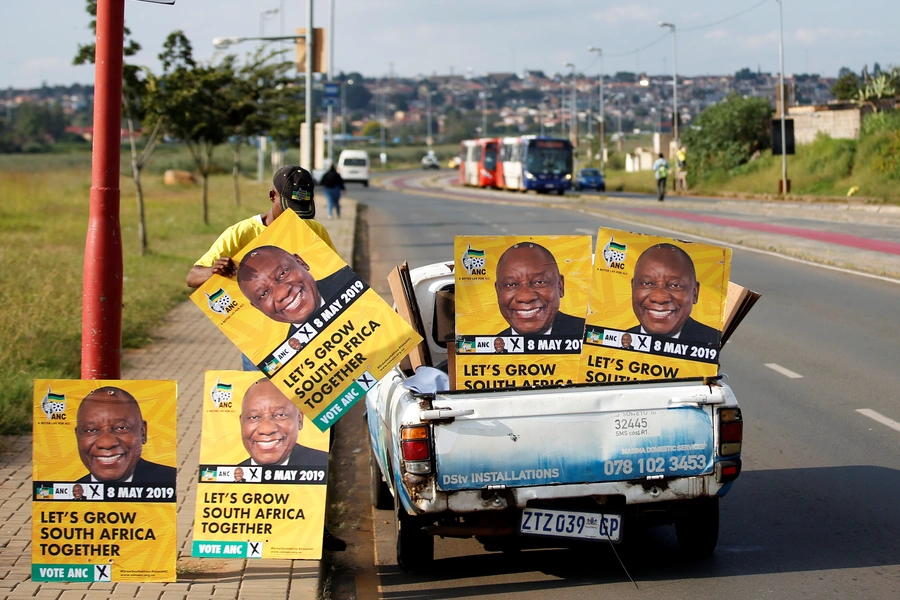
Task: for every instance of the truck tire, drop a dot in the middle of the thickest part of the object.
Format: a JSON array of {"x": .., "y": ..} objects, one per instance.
[
  {"x": 697, "y": 528},
  {"x": 379, "y": 492},
  {"x": 415, "y": 547}
]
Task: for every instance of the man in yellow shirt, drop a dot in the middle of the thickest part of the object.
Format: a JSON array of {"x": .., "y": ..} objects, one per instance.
[{"x": 293, "y": 189}]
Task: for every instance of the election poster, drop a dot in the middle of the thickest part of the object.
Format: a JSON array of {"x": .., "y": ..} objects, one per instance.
[
  {"x": 104, "y": 465},
  {"x": 520, "y": 308},
  {"x": 263, "y": 475},
  {"x": 656, "y": 309},
  {"x": 317, "y": 330}
]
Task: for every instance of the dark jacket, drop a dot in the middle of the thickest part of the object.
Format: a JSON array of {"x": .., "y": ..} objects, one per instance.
[
  {"x": 563, "y": 325},
  {"x": 302, "y": 456},
  {"x": 146, "y": 472},
  {"x": 332, "y": 179},
  {"x": 693, "y": 331}
]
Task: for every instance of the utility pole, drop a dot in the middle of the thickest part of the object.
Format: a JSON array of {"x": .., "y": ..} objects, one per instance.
[
  {"x": 310, "y": 121},
  {"x": 602, "y": 113},
  {"x": 674, "y": 84},
  {"x": 784, "y": 179},
  {"x": 330, "y": 79}
]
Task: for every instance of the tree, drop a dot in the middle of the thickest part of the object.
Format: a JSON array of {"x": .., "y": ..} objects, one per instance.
[
  {"x": 727, "y": 134},
  {"x": 134, "y": 87},
  {"x": 262, "y": 84},
  {"x": 846, "y": 87},
  {"x": 880, "y": 86},
  {"x": 372, "y": 129},
  {"x": 195, "y": 104}
]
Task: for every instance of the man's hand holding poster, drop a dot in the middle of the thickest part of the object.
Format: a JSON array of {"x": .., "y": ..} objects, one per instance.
[
  {"x": 520, "y": 306},
  {"x": 263, "y": 475},
  {"x": 656, "y": 309},
  {"x": 307, "y": 320},
  {"x": 104, "y": 481}
]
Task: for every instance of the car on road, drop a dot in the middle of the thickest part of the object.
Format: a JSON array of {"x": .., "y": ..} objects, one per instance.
[
  {"x": 430, "y": 161},
  {"x": 353, "y": 165},
  {"x": 589, "y": 179}
]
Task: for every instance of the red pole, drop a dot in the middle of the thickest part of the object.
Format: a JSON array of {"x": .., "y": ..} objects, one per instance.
[{"x": 101, "y": 313}]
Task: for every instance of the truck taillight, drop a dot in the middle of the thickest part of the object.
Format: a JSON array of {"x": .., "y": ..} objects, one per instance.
[
  {"x": 731, "y": 431},
  {"x": 415, "y": 444}
]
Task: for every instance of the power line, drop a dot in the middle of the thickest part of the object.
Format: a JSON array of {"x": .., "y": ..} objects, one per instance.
[{"x": 694, "y": 28}]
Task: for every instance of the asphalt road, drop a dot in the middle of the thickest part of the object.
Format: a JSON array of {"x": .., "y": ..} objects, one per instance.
[{"x": 815, "y": 367}]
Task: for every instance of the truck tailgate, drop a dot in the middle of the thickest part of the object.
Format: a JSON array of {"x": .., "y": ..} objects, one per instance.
[{"x": 576, "y": 435}]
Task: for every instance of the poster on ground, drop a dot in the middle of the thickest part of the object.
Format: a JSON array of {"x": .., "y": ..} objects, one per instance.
[
  {"x": 263, "y": 474},
  {"x": 656, "y": 308},
  {"x": 520, "y": 309},
  {"x": 104, "y": 493},
  {"x": 317, "y": 330}
]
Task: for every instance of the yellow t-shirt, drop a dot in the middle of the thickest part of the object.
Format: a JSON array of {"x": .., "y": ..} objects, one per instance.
[{"x": 243, "y": 232}]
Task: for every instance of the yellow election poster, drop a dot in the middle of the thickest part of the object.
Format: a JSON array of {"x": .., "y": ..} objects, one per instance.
[
  {"x": 656, "y": 310},
  {"x": 520, "y": 308},
  {"x": 104, "y": 470},
  {"x": 307, "y": 320},
  {"x": 261, "y": 487}
]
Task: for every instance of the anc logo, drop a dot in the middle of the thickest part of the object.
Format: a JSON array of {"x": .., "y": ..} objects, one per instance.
[
  {"x": 594, "y": 336},
  {"x": 272, "y": 366},
  {"x": 614, "y": 254},
  {"x": 221, "y": 394},
  {"x": 54, "y": 405},
  {"x": 473, "y": 261},
  {"x": 220, "y": 302}
]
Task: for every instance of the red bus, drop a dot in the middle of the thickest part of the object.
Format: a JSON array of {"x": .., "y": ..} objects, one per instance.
[{"x": 479, "y": 162}]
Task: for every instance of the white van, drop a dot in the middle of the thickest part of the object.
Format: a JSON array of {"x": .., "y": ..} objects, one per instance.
[{"x": 353, "y": 165}]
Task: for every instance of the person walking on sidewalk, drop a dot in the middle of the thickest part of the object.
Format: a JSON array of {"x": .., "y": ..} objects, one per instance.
[
  {"x": 661, "y": 171},
  {"x": 333, "y": 184}
]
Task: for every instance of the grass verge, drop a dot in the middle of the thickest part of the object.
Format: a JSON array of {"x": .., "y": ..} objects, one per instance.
[{"x": 44, "y": 208}]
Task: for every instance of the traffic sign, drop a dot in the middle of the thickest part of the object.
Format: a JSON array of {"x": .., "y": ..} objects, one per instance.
[{"x": 332, "y": 94}]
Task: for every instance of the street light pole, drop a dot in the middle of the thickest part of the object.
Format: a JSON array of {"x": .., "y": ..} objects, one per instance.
[
  {"x": 344, "y": 108},
  {"x": 784, "y": 180},
  {"x": 674, "y": 86},
  {"x": 330, "y": 79},
  {"x": 602, "y": 113},
  {"x": 428, "y": 103},
  {"x": 573, "y": 117},
  {"x": 308, "y": 93},
  {"x": 261, "y": 140}
]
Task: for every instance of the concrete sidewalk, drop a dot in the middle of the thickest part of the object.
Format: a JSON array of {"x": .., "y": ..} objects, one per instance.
[{"x": 185, "y": 346}]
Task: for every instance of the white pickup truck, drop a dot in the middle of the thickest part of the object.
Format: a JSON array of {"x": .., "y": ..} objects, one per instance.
[{"x": 546, "y": 466}]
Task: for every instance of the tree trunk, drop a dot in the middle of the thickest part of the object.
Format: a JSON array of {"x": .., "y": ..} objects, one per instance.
[
  {"x": 207, "y": 160},
  {"x": 139, "y": 191},
  {"x": 235, "y": 173}
]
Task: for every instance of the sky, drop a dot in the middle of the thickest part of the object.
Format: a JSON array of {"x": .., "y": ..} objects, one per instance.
[{"x": 424, "y": 37}]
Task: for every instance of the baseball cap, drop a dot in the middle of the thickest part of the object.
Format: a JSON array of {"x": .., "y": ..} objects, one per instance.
[{"x": 296, "y": 187}]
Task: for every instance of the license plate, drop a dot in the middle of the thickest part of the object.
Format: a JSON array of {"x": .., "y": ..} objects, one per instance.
[
  {"x": 569, "y": 524},
  {"x": 549, "y": 185}
]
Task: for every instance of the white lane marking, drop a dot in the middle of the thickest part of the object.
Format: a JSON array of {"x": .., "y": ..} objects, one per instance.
[
  {"x": 786, "y": 372},
  {"x": 877, "y": 416},
  {"x": 586, "y": 231}
]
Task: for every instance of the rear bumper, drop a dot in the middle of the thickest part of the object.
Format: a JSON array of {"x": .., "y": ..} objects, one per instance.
[{"x": 634, "y": 492}]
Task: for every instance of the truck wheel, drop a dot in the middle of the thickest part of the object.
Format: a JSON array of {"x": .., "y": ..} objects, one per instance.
[
  {"x": 415, "y": 547},
  {"x": 697, "y": 528},
  {"x": 379, "y": 492}
]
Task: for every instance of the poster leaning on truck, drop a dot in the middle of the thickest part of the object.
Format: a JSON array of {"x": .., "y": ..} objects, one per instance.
[
  {"x": 520, "y": 307},
  {"x": 656, "y": 310}
]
